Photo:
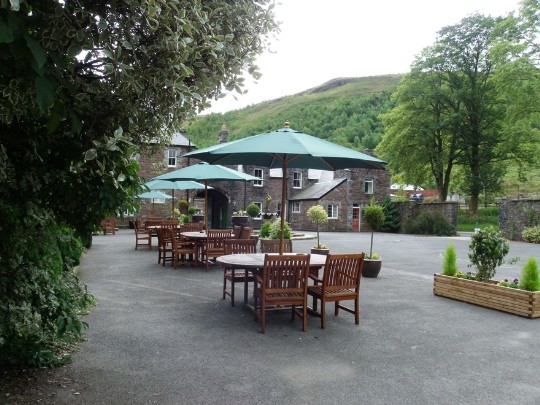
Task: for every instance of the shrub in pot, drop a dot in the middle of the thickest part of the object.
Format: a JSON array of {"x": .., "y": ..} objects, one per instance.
[
  {"x": 374, "y": 218},
  {"x": 318, "y": 215}
]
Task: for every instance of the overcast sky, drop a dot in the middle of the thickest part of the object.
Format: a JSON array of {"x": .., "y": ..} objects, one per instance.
[{"x": 321, "y": 40}]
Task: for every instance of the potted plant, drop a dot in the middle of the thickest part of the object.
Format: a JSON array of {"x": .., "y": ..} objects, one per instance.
[
  {"x": 239, "y": 218},
  {"x": 253, "y": 210},
  {"x": 318, "y": 215},
  {"x": 196, "y": 215},
  {"x": 374, "y": 218}
]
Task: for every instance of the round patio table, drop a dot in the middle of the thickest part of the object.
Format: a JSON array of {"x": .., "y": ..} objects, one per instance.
[{"x": 256, "y": 260}]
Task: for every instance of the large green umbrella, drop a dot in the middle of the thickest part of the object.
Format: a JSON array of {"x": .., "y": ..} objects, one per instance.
[
  {"x": 153, "y": 195},
  {"x": 204, "y": 171},
  {"x": 286, "y": 148}
]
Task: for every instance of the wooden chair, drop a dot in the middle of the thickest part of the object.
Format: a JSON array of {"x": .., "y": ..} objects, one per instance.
[
  {"x": 164, "y": 246},
  {"x": 180, "y": 250},
  {"x": 235, "y": 275},
  {"x": 242, "y": 232},
  {"x": 283, "y": 282},
  {"x": 340, "y": 282},
  {"x": 142, "y": 237},
  {"x": 108, "y": 225},
  {"x": 272, "y": 246},
  {"x": 212, "y": 247}
]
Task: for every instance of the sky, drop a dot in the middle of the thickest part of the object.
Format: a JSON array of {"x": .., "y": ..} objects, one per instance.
[{"x": 322, "y": 40}]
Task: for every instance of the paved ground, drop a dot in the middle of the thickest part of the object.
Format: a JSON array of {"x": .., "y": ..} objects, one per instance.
[{"x": 165, "y": 336}]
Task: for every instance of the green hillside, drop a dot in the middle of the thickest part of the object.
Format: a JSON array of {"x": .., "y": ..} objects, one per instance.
[{"x": 342, "y": 110}]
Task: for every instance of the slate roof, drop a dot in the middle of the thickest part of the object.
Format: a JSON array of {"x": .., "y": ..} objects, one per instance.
[{"x": 318, "y": 190}]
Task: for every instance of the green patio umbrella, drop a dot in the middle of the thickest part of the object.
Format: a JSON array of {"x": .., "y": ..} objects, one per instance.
[
  {"x": 204, "y": 172},
  {"x": 174, "y": 185},
  {"x": 152, "y": 195},
  {"x": 286, "y": 148}
]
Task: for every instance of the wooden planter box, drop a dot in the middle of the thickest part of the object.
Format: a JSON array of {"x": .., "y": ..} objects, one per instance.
[{"x": 489, "y": 295}]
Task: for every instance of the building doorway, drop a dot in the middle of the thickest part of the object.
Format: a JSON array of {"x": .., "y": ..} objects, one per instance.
[
  {"x": 218, "y": 208},
  {"x": 356, "y": 218}
]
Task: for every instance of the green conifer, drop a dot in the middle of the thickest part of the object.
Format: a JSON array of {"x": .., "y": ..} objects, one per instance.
[
  {"x": 391, "y": 215},
  {"x": 529, "y": 276}
]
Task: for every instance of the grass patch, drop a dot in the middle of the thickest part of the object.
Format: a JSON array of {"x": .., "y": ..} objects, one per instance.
[{"x": 486, "y": 217}]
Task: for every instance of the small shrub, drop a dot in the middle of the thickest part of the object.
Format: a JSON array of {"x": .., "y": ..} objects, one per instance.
[
  {"x": 529, "y": 276},
  {"x": 264, "y": 232},
  {"x": 318, "y": 215},
  {"x": 449, "y": 261},
  {"x": 253, "y": 210},
  {"x": 487, "y": 251},
  {"x": 275, "y": 229},
  {"x": 531, "y": 235},
  {"x": 429, "y": 223},
  {"x": 391, "y": 216}
]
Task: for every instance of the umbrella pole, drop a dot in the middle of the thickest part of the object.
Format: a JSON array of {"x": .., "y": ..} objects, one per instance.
[
  {"x": 283, "y": 199},
  {"x": 206, "y": 205}
]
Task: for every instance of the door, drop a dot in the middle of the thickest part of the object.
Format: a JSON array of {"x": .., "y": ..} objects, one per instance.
[{"x": 356, "y": 219}]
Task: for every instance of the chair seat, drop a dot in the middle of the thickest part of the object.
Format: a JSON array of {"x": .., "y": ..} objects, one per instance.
[{"x": 343, "y": 293}]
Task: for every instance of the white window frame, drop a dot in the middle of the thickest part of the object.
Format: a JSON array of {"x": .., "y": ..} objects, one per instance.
[
  {"x": 297, "y": 179},
  {"x": 258, "y": 204},
  {"x": 158, "y": 201},
  {"x": 295, "y": 207},
  {"x": 257, "y": 172},
  {"x": 278, "y": 210},
  {"x": 367, "y": 189},
  {"x": 333, "y": 211},
  {"x": 172, "y": 158}
]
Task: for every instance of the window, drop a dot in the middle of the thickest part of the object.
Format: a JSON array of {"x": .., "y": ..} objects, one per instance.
[
  {"x": 297, "y": 179},
  {"x": 278, "y": 212},
  {"x": 258, "y": 204},
  {"x": 332, "y": 210},
  {"x": 368, "y": 186},
  {"x": 260, "y": 174},
  {"x": 295, "y": 208},
  {"x": 171, "y": 157}
]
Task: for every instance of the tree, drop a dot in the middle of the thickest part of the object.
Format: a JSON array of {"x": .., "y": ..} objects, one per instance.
[
  {"x": 450, "y": 112},
  {"x": 83, "y": 84},
  {"x": 391, "y": 216}
]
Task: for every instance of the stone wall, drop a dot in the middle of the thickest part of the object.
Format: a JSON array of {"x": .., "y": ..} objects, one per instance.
[
  {"x": 411, "y": 209},
  {"x": 516, "y": 215}
]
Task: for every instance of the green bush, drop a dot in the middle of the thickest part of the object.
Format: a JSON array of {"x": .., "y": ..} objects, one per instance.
[
  {"x": 42, "y": 298},
  {"x": 391, "y": 216},
  {"x": 253, "y": 210},
  {"x": 449, "y": 261},
  {"x": 487, "y": 250},
  {"x": 264, "y": 232},
  {"x": 531, "y": 235},
  {"x": 429, "y": 223},
  {"x": 275, "y": 229},
  {"x": 529, "y": 276}
]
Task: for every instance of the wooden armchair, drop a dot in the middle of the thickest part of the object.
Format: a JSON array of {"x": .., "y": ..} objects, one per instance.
[
  {"x": 108, "y": 225},
  {"x": 182, "y": 252},
  {"x": 235, "y": 275},
  {"x": 340, "y": 282},
  {"x": 164, "y": 246},
  {"x": 143, "y": 237},
  {"x": 272, "y": 246},
  {"x": 283, "y": 282},
  {"x": 212, "y": 247}
]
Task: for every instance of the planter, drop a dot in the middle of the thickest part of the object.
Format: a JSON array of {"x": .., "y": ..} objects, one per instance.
[
  {"x": 316, "y": 251},
  {"x": 267, "y": 216},
  {"x": 239, "y": 220},
  {"x": 489, "y": 295},
  {"x": 197, "y": 218},
  {"x": 371, "y": 268}
]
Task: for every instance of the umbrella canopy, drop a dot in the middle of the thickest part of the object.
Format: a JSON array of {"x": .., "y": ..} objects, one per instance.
[
  {"x": 152, "y": 195},
  {"x": 174, "y": 185},
  {"x": 286, "y": 148},
  {"x": 204, "y": 172}
]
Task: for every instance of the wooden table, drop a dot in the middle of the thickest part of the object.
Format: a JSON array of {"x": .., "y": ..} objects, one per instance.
[{"x": 254, "y": 261}]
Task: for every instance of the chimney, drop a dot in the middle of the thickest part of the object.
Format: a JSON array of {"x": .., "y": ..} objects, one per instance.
[{"x": 223, "y": 134}]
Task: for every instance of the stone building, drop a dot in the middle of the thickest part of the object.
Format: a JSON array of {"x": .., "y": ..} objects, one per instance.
[{"x": 342, "y": 193}]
